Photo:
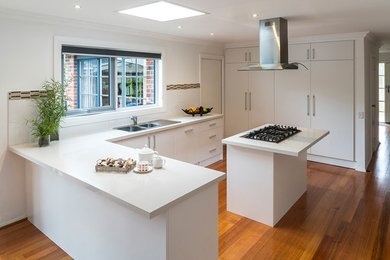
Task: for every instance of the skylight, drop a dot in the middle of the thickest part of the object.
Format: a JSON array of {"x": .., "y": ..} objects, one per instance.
[{"x": 162, "y": 11}]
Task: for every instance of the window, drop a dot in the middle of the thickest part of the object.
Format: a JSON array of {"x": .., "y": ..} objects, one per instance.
[
  {"x": 381, "y": 75},
  {"x": 102, "y": 79}
]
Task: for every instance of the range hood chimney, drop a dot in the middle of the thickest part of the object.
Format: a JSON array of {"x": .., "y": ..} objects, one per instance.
[{"x": 273, "y": 44}]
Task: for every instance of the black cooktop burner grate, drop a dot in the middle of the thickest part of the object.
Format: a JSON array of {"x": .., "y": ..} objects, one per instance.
[{"x": 272, "y": 133}]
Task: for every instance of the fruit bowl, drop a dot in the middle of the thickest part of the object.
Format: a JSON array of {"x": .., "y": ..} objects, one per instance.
[{"x": 197, "y": 111}]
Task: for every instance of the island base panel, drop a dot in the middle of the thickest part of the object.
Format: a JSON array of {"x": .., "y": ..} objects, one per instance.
[
  {"x": 262, "y": 185},
  {"x": 88, "y": 225}
]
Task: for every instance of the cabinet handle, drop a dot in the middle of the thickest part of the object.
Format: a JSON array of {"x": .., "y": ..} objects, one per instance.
[
  {"x": 246, "y": 106},
  {"x": 188, "y": 130},
  {"x": 154, "y": 142},
  {"x": 212, "y": 150},
  {"x": 314, "y": 105},
  {"x": 246, "y": 56},
  {"x": 212, "y": 124},
  {"x": 313, "y": 53},
  {"x": 149, "y": 141},
  {"x": 212, "y": 136},
  {"x": 308, "y": 54},
  {"x": 250, "y": 101},
  {"x": 308, "y": 104},
  {"x": 250, "y": 56}
]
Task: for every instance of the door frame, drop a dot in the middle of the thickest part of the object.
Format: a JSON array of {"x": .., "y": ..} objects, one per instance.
[{"x": 214, "y": 57}]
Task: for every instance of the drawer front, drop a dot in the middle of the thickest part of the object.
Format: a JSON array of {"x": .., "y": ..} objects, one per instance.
[
  {"x": 210, "y": 143},
  {"x": 211, "y": 124}
]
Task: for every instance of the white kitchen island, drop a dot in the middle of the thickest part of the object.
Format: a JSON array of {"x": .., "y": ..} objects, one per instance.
[
  {"x": 170, "y": 213},
  {"x": 265, "y": 179}
]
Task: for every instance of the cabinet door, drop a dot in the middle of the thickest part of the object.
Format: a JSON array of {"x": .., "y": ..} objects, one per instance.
[
  {"x": 332, "y": 107},
  {"x": 164, "y": 143},
  {"x": 261, "y": 98},
  {"x": 339, "y": 50},
  {"x": 292, "y": 97},
  {"x": 186, "y": 144},
  {"x": 236, "y": 55},
  {"x": 236, "y": 107},
  {"x": 253, "y": 55},
  {"x": 135, "y": 142},
  {"x": 299, "y": 52}
]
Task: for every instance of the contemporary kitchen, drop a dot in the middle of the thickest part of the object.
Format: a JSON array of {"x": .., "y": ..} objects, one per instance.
[{"x": 194, "y": 129}]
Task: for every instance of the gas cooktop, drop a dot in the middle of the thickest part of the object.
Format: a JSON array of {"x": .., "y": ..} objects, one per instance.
[{"x": 272, "y": 133}]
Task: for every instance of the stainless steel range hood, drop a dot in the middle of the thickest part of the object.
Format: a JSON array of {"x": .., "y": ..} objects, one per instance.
[{"x": 273, "y": 44}]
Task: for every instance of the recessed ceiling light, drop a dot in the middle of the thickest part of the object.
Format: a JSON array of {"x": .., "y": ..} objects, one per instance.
[
  {"x": 179, "y": 27},
  {"x": 212, "y": 34},
  {"x": 162, "y": 11},
  {"x": 255, "y": 15},
  {"x": 77, "y": 6}
]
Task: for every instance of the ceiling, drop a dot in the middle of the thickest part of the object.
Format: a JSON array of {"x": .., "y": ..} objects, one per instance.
[{"x": 229, "y": 20}]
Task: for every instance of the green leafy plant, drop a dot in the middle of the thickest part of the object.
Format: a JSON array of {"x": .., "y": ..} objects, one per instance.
[{"x": 50, "y": 109}]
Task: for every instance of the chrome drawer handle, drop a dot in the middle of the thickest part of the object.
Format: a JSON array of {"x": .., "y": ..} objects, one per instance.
[
  {"x": 212, "y": 136},
  {"x": 188, "y": 130}
]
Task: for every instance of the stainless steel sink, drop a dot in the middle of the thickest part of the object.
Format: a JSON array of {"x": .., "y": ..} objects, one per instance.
[
  {"x": 147, "y": 125},
  {"x": 131, "y": 128}
]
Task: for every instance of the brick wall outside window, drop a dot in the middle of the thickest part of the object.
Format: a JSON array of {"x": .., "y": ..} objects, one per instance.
[{"x": 71, "y": 76}]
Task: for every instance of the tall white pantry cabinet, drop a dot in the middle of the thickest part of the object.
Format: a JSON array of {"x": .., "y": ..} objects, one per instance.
[
  {"x": 321, "y": 96},
  {"x": 247, "y": 94}
]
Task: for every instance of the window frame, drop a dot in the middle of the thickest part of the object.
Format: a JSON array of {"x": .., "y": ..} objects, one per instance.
[{"x": 160, "y": 105}]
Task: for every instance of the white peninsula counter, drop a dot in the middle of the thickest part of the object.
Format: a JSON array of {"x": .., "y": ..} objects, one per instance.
[
  {"x": 265, "y": 179},
  {"x": 170, "y": 213}
]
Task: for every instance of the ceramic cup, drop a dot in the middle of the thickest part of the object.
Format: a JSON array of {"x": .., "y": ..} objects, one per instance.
[
  {"x": 142, "y": 166},
  {"x": 158, "y": 162}
]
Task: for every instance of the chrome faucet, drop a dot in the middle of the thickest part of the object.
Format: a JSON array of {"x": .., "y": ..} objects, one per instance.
[{"x": 134, "y": 119}]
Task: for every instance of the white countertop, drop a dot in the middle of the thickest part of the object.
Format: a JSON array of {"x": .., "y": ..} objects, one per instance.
[
  {"x": 291, "y": 146},
  {"x": 149, "y": 194}
]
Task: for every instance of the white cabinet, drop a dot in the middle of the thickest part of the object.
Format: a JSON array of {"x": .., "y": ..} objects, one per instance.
[
  {"x": 249, "y": 99},
  {"x": 336, "y": 50},
  {"x": 197, "y": 143},
  {"x": 210, "y": 139},
  {"x": 321, "y": 97},
  {"x": 293, "y": 97},
  {"x": 242, "y": 55},
  {"x": 186, "y": 143},
  {"x": 333, "y": 95},
  {"x": 236, "y": 95},
  {"x": 160, "y": 141}
]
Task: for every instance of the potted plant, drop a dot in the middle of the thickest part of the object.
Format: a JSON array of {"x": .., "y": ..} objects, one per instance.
[{"x": 50, "y": 110}]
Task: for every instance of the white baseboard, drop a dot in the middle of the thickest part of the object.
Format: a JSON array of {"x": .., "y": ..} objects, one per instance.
[
  {"x": 337, "y": 162},
  {"x": 10, "y": 221}
]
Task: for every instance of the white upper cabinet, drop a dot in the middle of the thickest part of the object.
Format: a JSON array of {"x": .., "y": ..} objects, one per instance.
[
  {"x": 299, "y": 52},
  {"x": 242, "y": 55},
  {"x": 337, "y": 50},
  {"x": 340, "y": 50}
]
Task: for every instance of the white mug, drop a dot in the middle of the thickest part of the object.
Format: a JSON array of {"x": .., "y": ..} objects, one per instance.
[
  {"x": 142, "y": 166},
  {"x": 158, "y": 162}
]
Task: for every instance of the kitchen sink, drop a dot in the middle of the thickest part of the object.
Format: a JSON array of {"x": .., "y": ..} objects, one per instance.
[
  {"x": 131, "y": 128},
  {"x": 147, "y": 125}
]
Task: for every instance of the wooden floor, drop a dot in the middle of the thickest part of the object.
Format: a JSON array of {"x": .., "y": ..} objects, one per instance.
[{"x": 343, "y": 215}]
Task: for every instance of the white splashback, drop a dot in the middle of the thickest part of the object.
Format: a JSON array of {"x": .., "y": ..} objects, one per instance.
[{"x": 20, "y": 112}]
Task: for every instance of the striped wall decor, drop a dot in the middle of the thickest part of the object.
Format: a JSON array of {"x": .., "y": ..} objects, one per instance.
[
  {"x": 16, "y": 95},
  {"x": 183, "y": 86}
]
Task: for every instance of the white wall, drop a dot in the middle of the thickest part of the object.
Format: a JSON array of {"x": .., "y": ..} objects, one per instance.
[{"x": 27, "y": 56}]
